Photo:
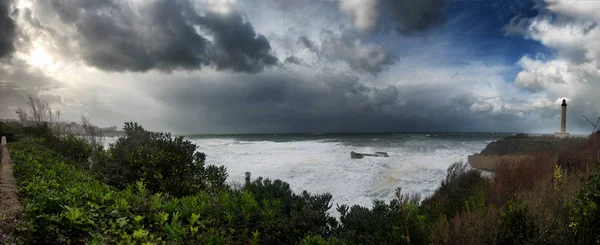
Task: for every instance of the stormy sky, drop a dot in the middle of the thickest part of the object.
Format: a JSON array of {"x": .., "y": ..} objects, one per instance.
[{"x": 254, "y": 66}]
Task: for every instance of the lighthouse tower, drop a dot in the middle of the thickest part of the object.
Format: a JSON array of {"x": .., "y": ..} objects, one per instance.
[{"x": 563, "y": 121}]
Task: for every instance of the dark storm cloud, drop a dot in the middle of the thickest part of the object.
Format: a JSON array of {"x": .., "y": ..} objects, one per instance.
[
  {"x": 308, "y": 44},
  {"x": 416, "y": 15},
  {"x": 163, "y": 34},
  {"x": 236, "y": 45},
  {"x": 7, "y": 29},
  {"x": 275, "y": 102},
  {"x": 293, "y": 60}
]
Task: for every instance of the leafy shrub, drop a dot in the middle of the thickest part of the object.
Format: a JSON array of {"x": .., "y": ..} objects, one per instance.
[
  {"x": 397, "y": 222},
  {"x": 68, "y": 145},
  {"x": 463, "y": 188},
  {"x": 73, "y": 147},
  {"x": 167, "y": 164},
  {"x": 585, "y": 212},
  {"x": 11, "y": 130},
  {"x": 517, "y": 225},
  {"x": 535, "y": 202},
  {"x": 315, "y": 240},
  {"x": 65, "y": 204},
  {"x": 294, "y": 216},
  {"x": 547, "y": 207}
]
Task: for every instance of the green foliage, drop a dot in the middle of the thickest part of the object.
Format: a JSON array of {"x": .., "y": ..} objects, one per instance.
[
  {"x": 167, "y": 164},
  {"x": 315, "y": 240},
  {"x": 65, "y": 204},
  {"x": 383, "y": 224},
  {"x": 75, "y": 148},
  {"x": 68, "y": 145},
  {"x": 289, "y": 217},
  {"x": 557, "y": 177},
  {"x": 517, "y": 225},
  {"x": 462, "y": 190},
  {"x": 585, "y": 212},
  {"x": 160, "y": 192},
  {"x": 11, "y": 130}
]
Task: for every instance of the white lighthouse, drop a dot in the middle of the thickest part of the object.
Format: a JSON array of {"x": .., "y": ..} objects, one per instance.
[{"x": 563, "y": 121}]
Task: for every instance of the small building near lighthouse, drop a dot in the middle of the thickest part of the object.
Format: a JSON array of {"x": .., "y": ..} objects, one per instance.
[{"x": 563, "y": 121}]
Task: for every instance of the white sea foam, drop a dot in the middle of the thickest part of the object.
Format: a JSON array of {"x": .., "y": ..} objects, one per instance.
[
  {"x": 417, "y": 164},
  {"x": 108, "y": 140},
  {"x": 320, "y": 166}
]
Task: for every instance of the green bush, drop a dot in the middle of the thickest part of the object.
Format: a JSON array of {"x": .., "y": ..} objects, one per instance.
[
  {"x": 68, "y": 145},
  {"x": 383, "y": 224},
  {"x": 154, "y": 188},
  {"x": 293, "y": 216},
  {"x": 462, "y": 190},
  {"x": 585, "y": 212},
  {"x": 11, "y": 130},
  {"x": 315, "y": 240},
  {"x": 167, "y": 164},
  {"x": 517, "y": 225},
  {"x": 75, "y": 148},
  {"x": 65, "y": 204}
]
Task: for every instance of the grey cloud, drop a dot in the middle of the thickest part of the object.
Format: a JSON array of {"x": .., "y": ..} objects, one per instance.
[
  {"x": 277, "y": 102},
  {"x": 361, "y": 57},
  {"x": 530, "y": 81},
  {"x": 7, "y": 29},
  {"x": 416, "y": 15},
  {"x": 236, "y": 45},
  {"x": 308, "y": 43},
  {"x": 517, "y": 27},
  {"x": 17, "y": 80},
  {"x": 589, "y": 28},
  {"x": 162, "y": 34},
  {"x": 408, "y": 16},
  {"x": 293, "y": 60}
]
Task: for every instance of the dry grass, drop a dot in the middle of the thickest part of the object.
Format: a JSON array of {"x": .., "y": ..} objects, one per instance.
[
  {"x": 543, "y": 184},
  {"x": 515, "y": 176},
  {"x": 476, "y": 227}
]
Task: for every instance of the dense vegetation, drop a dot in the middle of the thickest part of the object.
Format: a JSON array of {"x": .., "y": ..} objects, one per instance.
[
  {"x": 525, "y": 144},
  {"x": 165, "y": 163},
  {"x": 154, "y": 188}
]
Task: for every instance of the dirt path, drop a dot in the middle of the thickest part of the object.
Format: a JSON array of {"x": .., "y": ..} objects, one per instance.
[{"x": 9, "y": 198}]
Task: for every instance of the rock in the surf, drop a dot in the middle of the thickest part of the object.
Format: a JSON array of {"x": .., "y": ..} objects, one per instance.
[{"x": 356, "y": 155}]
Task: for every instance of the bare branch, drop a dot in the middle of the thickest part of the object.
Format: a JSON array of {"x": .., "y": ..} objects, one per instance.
[
  {"x": 595, "y": 125},
  {"x": 92, "y": 133},
  {"x": 38, "y": 113}
]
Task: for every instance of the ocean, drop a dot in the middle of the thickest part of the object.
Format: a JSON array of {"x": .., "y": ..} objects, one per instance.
[{"x": 321, "y": 163}]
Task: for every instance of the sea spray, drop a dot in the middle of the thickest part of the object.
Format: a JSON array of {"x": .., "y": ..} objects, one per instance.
[{"x": 321, "y": 163}]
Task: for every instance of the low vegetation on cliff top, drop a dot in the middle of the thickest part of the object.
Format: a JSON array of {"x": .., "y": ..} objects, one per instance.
[
  {"x": 154, "y": 188},
  {"x": 526, "y": 144}
]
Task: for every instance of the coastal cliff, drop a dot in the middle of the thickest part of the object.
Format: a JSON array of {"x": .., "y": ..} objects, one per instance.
[{"x": 517, "y": 149}]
